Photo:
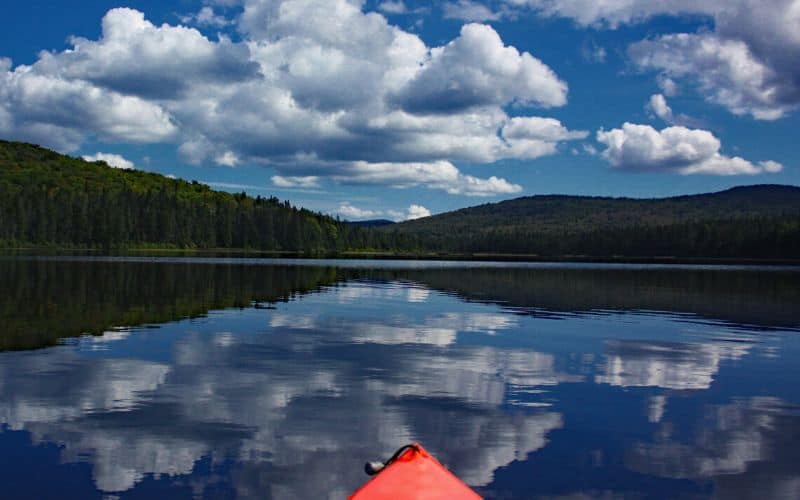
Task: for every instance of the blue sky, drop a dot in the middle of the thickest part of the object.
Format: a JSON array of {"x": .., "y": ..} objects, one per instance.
[{"x": 395, "y": 109}]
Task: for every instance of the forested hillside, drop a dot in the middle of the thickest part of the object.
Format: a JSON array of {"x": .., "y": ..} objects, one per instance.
[
  {"x": 752, "y": 221},
  {"x": 51, "y": 199},
  {"x": 48, "y": 199}
]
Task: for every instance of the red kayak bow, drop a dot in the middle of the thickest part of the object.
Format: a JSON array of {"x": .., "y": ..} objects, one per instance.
[{"x": 412, "y": 473}]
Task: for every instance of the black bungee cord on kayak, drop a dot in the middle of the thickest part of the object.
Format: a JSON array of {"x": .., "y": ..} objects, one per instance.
[{"x": 372, "y": 468}]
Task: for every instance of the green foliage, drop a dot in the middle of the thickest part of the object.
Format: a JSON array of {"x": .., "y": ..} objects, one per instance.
[
  {"x": 743, "y": 222},
  {"x": 47, "y": 199}
]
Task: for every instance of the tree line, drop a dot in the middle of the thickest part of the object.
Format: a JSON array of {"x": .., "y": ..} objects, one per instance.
[
  {"x": 48, "y": 199},
  {"x": 51, "y": 199},
  {"x": 744, "y": 222}
]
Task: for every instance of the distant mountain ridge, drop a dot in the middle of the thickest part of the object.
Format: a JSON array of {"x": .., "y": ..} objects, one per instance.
[
  {"x": 372, "y": 222},
  {"x": 688, "y": 225},
  {"x": 759, "y": 199}
]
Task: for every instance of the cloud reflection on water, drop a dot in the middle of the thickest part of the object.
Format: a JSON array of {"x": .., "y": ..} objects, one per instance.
[
  {"x": 750, "y": 448},
  {"x": 288, "y": 402},
  {"x": 669, "y": 365},
  {"x": 293, "y": 396}
]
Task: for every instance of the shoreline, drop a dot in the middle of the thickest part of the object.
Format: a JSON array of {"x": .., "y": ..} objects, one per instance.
[{"x": 379, "y": 255}]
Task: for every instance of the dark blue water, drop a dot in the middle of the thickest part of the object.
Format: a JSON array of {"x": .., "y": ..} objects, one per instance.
[{"x": 175, "y": 378}]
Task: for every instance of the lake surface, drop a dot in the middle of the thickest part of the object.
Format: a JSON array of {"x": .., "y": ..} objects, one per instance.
[{"x": 226, "y": 378}]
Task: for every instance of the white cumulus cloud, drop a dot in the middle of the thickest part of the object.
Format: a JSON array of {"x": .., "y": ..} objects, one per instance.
[
  {"x": 747, "y": 63},
  {"x": 135, "y": 57},
  {"x": 417, "y": 212},
  {"x": 434, "y": 175},
  {"x": 532, "y": 136},
  {"x": 725, "y": 71},
  {"x": 540, "y": 129},
  {"x": 227, "y": 159},
  {"x": 659, "y": 107},
  {"x": 393, "y": 7},
  {"x": 50, "y": 110},
  {"x": 348, "y": 211},
  {"x": 113, "y": 160},
  {"x": 207, "y": 17},
  {"x": 305, "y": 181},
  {"x": 477, "y": 69},
  {"x": 613, "y": 13},
  {"x": 314, "y": 88},
  {"x": 412, "y": 212},
  {"x": 468, "y": 10},
  {"x": 667, "y": 85},
  {"x": 674, "y": 149}
]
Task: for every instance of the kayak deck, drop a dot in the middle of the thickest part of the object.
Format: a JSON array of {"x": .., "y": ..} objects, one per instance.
[{"x": 414, "y": 474}]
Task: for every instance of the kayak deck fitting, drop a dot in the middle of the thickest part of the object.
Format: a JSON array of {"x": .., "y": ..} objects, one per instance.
[{"x": 412, "y": 473}]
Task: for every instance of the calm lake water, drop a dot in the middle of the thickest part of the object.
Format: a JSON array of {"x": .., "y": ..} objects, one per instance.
[{"x": 225, "y": 378}]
